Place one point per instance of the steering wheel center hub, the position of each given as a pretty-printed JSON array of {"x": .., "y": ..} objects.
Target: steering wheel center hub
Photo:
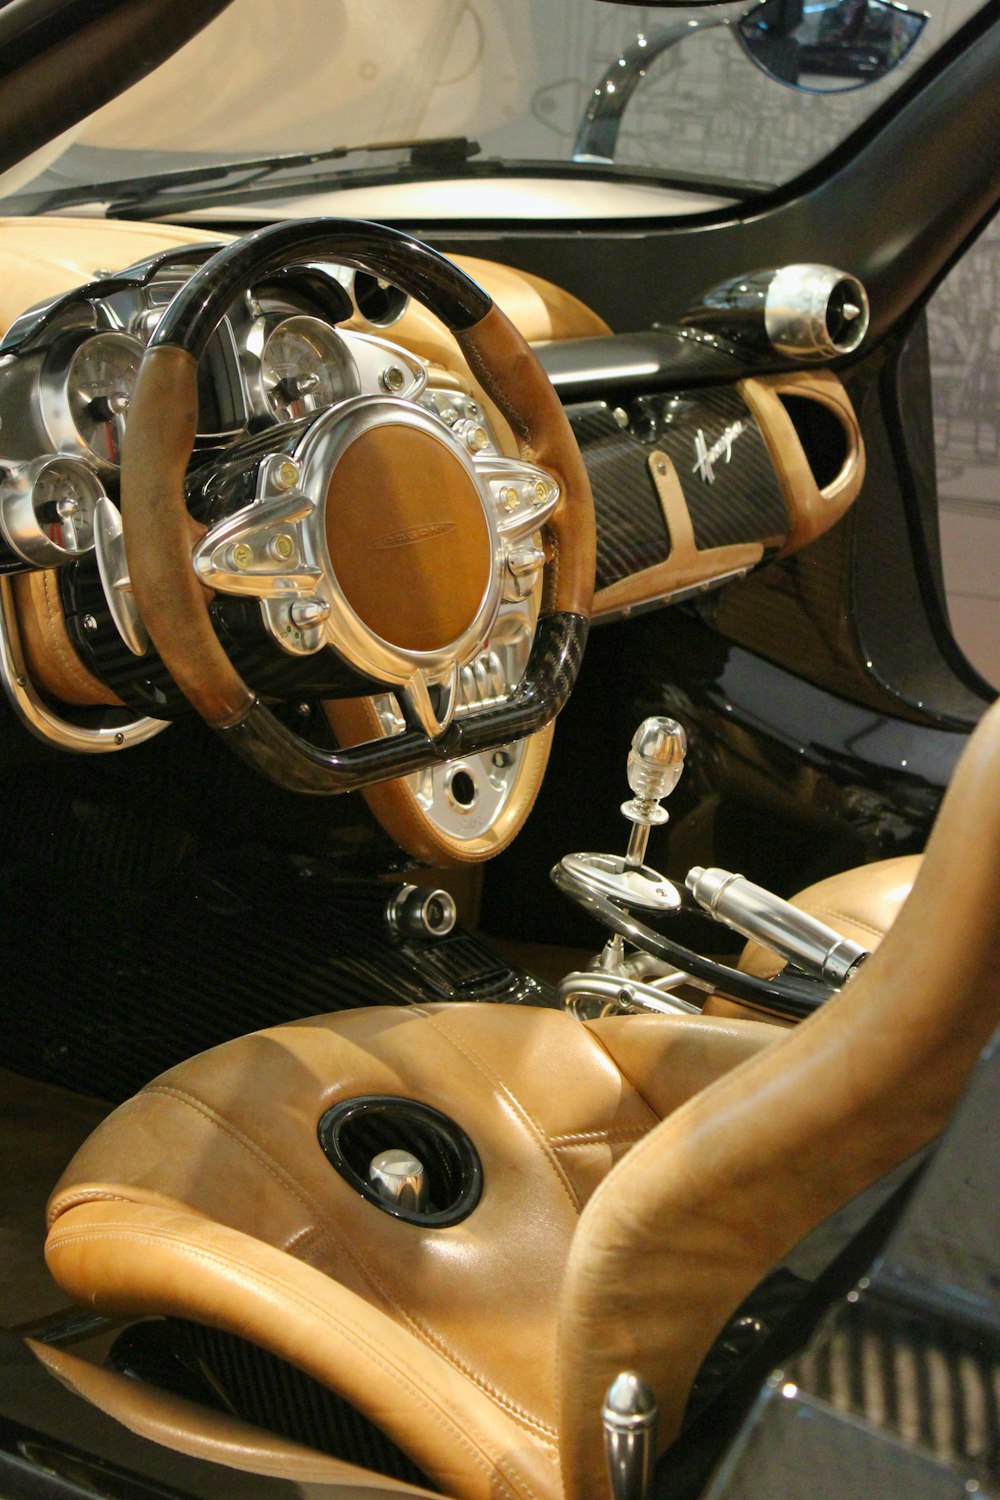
[{"x": 408, "y": 537}]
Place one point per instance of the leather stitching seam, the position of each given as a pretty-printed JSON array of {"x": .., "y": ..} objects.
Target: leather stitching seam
[
  {"x": 324, "y": 1227},
  {"x": 73, "y": 668},
  {"x": 481, "y": 1066},
  {"x": 613, "y": 1133},
  {"x": 398, "y": 1371}
]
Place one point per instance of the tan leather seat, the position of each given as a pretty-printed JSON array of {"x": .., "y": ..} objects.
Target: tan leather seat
[{"x": 640, "y": 1176}]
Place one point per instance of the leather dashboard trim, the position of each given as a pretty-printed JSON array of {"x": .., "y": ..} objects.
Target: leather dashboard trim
[{"x": 811, "y": 510}]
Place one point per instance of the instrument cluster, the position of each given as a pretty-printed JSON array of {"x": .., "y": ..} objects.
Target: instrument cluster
[{"x": 68, "y": 373}]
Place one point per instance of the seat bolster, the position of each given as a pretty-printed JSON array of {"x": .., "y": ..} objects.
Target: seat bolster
[
  {"x": 669, "y": 1059},
  {"x": 137, "y": 1259},
  {"x": 186, "y": 1427}
]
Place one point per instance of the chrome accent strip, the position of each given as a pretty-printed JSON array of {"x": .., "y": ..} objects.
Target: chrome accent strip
[{"x": 39, "y": 719}]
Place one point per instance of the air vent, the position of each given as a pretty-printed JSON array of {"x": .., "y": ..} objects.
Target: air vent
[
  {"x": 379, "y": 302},
  {"x": 822, "y": 435}
]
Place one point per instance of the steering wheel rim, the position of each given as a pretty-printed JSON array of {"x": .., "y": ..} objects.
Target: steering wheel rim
[{"x": 160, "y": 535}]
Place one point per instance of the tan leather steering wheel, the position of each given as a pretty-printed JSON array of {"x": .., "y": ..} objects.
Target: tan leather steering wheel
[{"x": 390, "y": 615}]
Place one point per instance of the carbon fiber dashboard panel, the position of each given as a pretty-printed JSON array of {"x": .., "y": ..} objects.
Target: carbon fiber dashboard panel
[
  {"x": 631, "y": 531},
  {"x": 725, "y": 470}
]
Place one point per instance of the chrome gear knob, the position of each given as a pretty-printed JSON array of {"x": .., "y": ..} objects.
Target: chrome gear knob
[{"x": 656, "y": 759}]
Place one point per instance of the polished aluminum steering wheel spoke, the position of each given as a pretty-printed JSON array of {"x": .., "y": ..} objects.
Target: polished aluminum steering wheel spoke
[
  {"x": 430, "y": 713},
  {"x": 524, "y": 494},
  {"x": 264, "y": 550}
]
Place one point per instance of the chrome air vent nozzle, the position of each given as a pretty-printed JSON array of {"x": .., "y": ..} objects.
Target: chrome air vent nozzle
[
  {"x": 806, "y": 313},
  {"x": 815, "y": 312}
]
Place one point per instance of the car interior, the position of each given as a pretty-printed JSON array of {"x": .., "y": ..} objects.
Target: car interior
[{"x": 502, "y": 861}]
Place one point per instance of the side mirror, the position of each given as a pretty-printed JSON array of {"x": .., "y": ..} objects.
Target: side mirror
[{"x": 831, "y": 46}]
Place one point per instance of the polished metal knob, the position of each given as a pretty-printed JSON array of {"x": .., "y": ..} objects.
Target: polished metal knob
[
  {"x": 655, "y": 763},
  {"x": 629, "y": 1417},
  {"x": 656, "y": 758},
  {"x": 414, "y": 911},
  {"x": 399, "y": 1179}
]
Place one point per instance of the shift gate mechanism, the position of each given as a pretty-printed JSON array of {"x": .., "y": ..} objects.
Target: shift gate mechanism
[
  {"x": 655, "y": 763},
  {"x": 820, "y": 959}
]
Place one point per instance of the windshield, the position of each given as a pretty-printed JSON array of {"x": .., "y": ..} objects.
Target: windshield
[{"x": 512, "y": 80}]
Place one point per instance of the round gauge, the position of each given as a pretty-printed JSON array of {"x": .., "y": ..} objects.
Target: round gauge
[
  {"x": 63, "y": 499},
  {"x": 47, "y": 509},
  {"x": 305, "y": 366},
  {"x": 100, "y": 381}
]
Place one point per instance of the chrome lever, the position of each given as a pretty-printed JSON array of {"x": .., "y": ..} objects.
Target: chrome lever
[
  {"x": 629, "y": 1416},
  {"x": 766, "y": 918}
]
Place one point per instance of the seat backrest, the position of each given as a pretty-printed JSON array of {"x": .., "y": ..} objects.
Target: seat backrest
[{"x": 710, "y": 1200}]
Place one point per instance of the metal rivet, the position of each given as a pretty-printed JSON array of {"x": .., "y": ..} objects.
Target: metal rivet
[
  {"x": 478, "y": 439},
  {"x": 661, "y": 467},
  {"x": 541, "y": 491},
  {"x": 286, "y": 474},
  {"x": 392, "y": 379},
  {"x": 89, "y": 623},
  {"x": 119, "y": 738},
  {"x": 283, "y": 547},
  {"x": 510, "y": 498},
  {"x": 304, "y": 710},
  {"x": 242, "y": 555}
]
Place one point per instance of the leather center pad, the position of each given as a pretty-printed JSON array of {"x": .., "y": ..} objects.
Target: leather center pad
[{"x": 408, "y": 537}]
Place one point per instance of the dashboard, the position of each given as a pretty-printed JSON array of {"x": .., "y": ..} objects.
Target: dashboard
[{"x": 700, "y": 472}]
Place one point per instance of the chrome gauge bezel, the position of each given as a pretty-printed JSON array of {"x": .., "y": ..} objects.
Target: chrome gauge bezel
[
  {"x": 259, "y": 340},
  {"x": 19, "y": 501},
  {"x": 58, "y": 390}
]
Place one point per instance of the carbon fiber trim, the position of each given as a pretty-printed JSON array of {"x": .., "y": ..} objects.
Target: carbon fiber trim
[
  {"x": 136, "y": 983},
  {"x": 722, "y": 462},
  {"x": 631, "y": 531},
  {"x": 228, "y": 1374},
  {"x": 926, "y": 1385}
]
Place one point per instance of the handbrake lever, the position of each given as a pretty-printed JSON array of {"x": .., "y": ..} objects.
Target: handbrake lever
[{"x": 760, "y": 915}]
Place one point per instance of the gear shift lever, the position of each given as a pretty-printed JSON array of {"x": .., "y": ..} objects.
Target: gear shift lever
[{"x": 655, "y": 763}]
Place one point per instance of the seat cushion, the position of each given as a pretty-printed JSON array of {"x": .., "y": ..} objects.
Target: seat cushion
[{"x": 209, "y": 1196}]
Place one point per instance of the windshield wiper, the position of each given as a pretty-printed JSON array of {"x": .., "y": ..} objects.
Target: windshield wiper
[{"x": 161, "y": 192}]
